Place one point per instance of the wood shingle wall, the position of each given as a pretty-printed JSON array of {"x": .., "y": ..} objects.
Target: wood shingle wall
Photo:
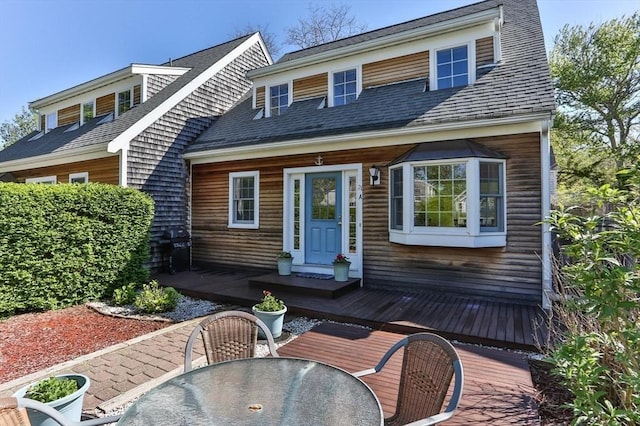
[
  {"x": 155, "y": 163},
  {"x": 513, "y": 271},
  {"x": 103, "y": 170}
]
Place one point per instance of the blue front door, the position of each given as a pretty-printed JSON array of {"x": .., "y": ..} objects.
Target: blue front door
[{"x": 323, "y": 218}]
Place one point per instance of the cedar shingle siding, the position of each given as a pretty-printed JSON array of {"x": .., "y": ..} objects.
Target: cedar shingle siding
[{"x": 155, "y": 163}]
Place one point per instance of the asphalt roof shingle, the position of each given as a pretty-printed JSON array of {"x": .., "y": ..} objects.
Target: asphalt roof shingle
[{"x": 519, "y": 85}]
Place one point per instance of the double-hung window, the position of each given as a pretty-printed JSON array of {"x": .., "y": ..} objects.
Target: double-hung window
[
  {"x": 243, "y": 199},
  {"x": 345, "y": 87},
  {"x": 279, "y": 99},
  {"x": 452, "y": 67},
  {"x": 454, "y": 202},
  {"x": 124, "y": 101},
  {"x": 87, "y": 111}
]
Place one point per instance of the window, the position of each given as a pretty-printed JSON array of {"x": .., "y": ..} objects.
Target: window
[
  {"x": 52, "y": 121},
  {"x": 243, "y": 199},
  {"x": 456, "y": 202},
  {"x": 279, "y": 98},
  {"x": 124, "y": 101},
  {"x": 82, "y": 177},
  {"x": 43, "y": 179},
  {"x": 345, "y": 87},
  {"x": 452, "y": 67},
  {"x": 87, "y": 111}
]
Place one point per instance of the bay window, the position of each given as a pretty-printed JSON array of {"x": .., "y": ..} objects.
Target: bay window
[{"x": 453, "y": 202}]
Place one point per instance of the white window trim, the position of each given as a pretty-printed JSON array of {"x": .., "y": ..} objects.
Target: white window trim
[
  {"x": 256, "y": 194},
  {"x": 358, "y": 69},
  {"x": 42, "y": 179},
  {"x": 81, "y": 175},
  {"x": 471, "y": 63},
  {"x": 54, "y": 116},
  {"x": 267, "y": 96},
  {"x": 82, "y": 104},
  {"x": 117, "y": 95},
  {"x": 469, "y": 236}
]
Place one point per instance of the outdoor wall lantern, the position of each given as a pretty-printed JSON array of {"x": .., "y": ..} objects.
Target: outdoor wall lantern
[{"x": 374, "y": 173}]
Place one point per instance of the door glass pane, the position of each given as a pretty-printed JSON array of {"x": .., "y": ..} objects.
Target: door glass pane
[
  {"x": 352, "y": 214},
  {"x": 324, "y": 199},
  {"x": 296, "y": 214}
]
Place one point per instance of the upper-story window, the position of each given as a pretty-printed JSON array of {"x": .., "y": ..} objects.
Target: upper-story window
[
  {"x": 87, "y": 111},
  {"x": 124, "y": 101},
  {"x": 279, "y": 99},
  {"x": 452, "y": 67},
  {"x": 345, "y": 87},
  {"x": 52, "y": 120}
]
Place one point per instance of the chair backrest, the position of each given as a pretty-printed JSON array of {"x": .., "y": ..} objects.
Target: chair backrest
[
  {"x": 13, "y": 412},
  {"x": 228, "y": 335},
  {"x": 428, "y": 366}
]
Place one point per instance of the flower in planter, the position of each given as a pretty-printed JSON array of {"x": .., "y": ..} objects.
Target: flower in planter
[
  {"x": 269, "y": 303},
  {"x": 341, "y": 258},
  {"x": 285, "y": 255}
]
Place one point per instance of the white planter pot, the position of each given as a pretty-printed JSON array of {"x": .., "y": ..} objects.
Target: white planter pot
[
  {"x": 341, "y": 271},
  {"x": 70, "y": 406},
  {"x": 284, "y": 265},
  {"x": 273, "y": 320}
]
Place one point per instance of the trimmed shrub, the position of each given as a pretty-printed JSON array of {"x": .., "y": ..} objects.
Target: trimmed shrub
[
  {"x": 61, "y": 245},
  {"x": 124, "y": 295}
]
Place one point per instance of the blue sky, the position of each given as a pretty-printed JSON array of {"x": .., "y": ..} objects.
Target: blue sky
[{"x": 51, "y": 45}]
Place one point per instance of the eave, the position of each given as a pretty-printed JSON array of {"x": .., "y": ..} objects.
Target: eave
[{"x": 56, "y": 158}]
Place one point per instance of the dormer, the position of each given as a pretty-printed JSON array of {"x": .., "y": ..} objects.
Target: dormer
[
  {"x": 112, "y": 94},
  {"x": 446, "y": 53}
]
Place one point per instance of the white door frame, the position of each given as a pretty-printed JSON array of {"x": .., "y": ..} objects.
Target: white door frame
[{"x": 290, "y": 176}]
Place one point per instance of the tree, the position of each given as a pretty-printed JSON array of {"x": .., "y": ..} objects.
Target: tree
[
  {"x": 269, "y": 38},
  {"x": 324, "y": 24},
  {"x": 22, "y": 124},
  {"x": 596, "y": 73}
]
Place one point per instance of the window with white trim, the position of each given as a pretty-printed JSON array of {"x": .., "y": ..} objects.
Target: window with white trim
[
  {"x": 244, "y": 200},
  {"x": 52, "y": 121},
  {"x": 124, "y": 101},
  {"x": 452, "y": 67},
  {"x": 42, "y": 179},
  {"x": 88, "y": 111},
  {"x": 345, "y": 87},
  {"x": 456, "y": 202},
  {"x": 279, "y": 99},
  {"x": 82, "y": 177}
]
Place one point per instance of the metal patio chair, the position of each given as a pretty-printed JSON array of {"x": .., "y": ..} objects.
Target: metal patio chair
[
  {"x": 228, "y": 335},
  {"x": 13, "y": 412},
  {"x": 428, "y": 367}
]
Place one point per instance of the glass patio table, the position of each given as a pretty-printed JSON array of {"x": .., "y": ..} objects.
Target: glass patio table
[{"x": 259, "y": 391}]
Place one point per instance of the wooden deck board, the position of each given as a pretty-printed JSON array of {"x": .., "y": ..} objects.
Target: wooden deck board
[
  {"x": 497, "y": 388},
  {"x": 461, "y": 318}
]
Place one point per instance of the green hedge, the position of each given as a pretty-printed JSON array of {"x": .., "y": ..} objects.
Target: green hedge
[{"x": 61, "y": 245}]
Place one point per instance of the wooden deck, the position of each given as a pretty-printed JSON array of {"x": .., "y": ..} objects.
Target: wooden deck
[
  {"x": 462, "y": 318},
  {"x": 497, "y": 387}
]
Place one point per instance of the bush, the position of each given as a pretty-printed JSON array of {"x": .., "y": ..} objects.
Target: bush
[
  {"x": 154, "y": 299},
  {"x": 124, "y": 295},
  {"x": 597, "y": 341},
  {"x": 61, "y": 245}
]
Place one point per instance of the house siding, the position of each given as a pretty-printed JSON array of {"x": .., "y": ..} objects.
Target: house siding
[
  {"x": 103, "y": 170},
  {"x": 260, "y": 97},
  {"x": 512, "y": 272},
  {"x": 484, "y": 51},
  {"x": 396, "y": 69},
  {"x": 155, "y": 163},
  {"x": 105, "y": 104},
  {"x": 309, "y": 87},
  {"x": 69, "y": 115},
  {"x": 156, "y": 83}
]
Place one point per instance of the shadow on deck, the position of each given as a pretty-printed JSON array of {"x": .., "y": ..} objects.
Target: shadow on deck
[{"x": 456, "y": 317}]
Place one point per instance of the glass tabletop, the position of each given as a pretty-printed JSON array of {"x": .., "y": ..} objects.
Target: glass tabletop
[{"x": 259, "y": 391}]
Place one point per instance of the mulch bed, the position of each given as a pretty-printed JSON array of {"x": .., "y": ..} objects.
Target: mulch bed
[
  {"x": 551, "y": 395},
  {"x": 35, "y": 341}
]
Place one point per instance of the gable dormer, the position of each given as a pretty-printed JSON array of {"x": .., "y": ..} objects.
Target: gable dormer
[
  {"x": 446, "y": 53},
  {"x": 114, "y": 93}
]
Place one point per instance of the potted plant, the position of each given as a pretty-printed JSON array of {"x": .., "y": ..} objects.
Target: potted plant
[
  {"x": 64, "y": 392},
  {"x": 285, "y": 261},
  {"x": 271, "y": 311},
  {"x": 341, "y": 266}
]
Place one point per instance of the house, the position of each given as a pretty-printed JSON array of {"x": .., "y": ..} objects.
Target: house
[
  {"x": 420, "y": 151},
  {"x": 130, "y": 127}
]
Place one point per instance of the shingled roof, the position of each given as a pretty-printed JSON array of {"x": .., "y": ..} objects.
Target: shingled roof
[
  {"x": 93, "y": 133},
  {"x": 520, "y": 85}
]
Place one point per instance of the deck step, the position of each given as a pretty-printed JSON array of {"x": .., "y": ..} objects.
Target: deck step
[{"x": 293, "y": 283}]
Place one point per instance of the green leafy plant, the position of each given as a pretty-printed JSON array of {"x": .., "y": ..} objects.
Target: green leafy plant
[
  {"x": 124, "y": 295},
  {"x": 595, "y": 337},
  {"x": 269, "y": 303},
  {"x": 51, "y": 389},
  {"x": 341, "y": 258},
  {"x": 154, "y": 299},
  {"x": 285, "y": 255}
]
